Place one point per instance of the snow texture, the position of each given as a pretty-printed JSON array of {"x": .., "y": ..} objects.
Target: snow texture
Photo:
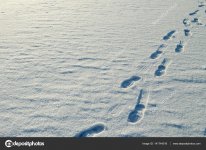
[{"x": 106, "y": 68}]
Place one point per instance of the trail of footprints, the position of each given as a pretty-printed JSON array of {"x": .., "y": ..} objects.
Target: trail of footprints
[{"x": 137, "y": 114}]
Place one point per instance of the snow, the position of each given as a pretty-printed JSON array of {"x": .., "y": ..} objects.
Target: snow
[{"x": 62, "y": 64}]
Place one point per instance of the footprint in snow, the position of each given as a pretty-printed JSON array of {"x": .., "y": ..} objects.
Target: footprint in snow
[
  {"x": 201, "y": 4},
  {"x": 194, "y": 13},
  {"x": 169, "y": 35},
  {"x": 137, "y": 114},
  {"x": 161, "y": 70},
  {"x": 128, "y": 82},
  {"x": 158, "y": 52},
  {"x": 95, "y": 129},
  {"x": 187, "y": 32},
  {"x": 186, "y": 22},
  {"x": 197, "y": 21},
  {"x": 180, "y": 47}
]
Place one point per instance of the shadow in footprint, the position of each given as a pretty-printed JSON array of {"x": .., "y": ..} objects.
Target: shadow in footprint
[
  {"x": 187, "y": 32},
  {"x": 186, "y": 22},
  {"x": 158, "y": 52},
  {"x": 130, "y": 81},
  {"x": 162, "y": 67},
  {"x": 169, "y": 35},
  {"x": 138, "y": 113},
  {"x": 193, "y": 13},
  {"x": 197, "y": 21},
  {"x": 201, "y": 4},
  {"x": 180, "y": 47},
  {"x": 96, "y": 129}
]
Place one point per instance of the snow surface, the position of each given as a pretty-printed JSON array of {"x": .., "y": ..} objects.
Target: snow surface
[{"x": 82, "y": 68}]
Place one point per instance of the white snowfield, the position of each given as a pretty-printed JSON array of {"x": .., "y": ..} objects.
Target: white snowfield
[{"x": 102, "y": 68}]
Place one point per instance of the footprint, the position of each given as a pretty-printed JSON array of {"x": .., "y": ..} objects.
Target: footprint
[
  {"x": 197, "y": 21},
  {"x": 162, "y": 67},
  {"x": 202, "y": 4},
  {"x": 187, "y": 32},
  {"x": 169, "y": 35},
  {"x": 158, "y": 52},
  {"x": 193, "y": 13},
  {"x": 137, "y": 114},
  {"x": 186, "y": 22},
  {"x": 180, "y": 47},
  {"x": 130, "y": 81},
  {"x": 95, "y": 129}
]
